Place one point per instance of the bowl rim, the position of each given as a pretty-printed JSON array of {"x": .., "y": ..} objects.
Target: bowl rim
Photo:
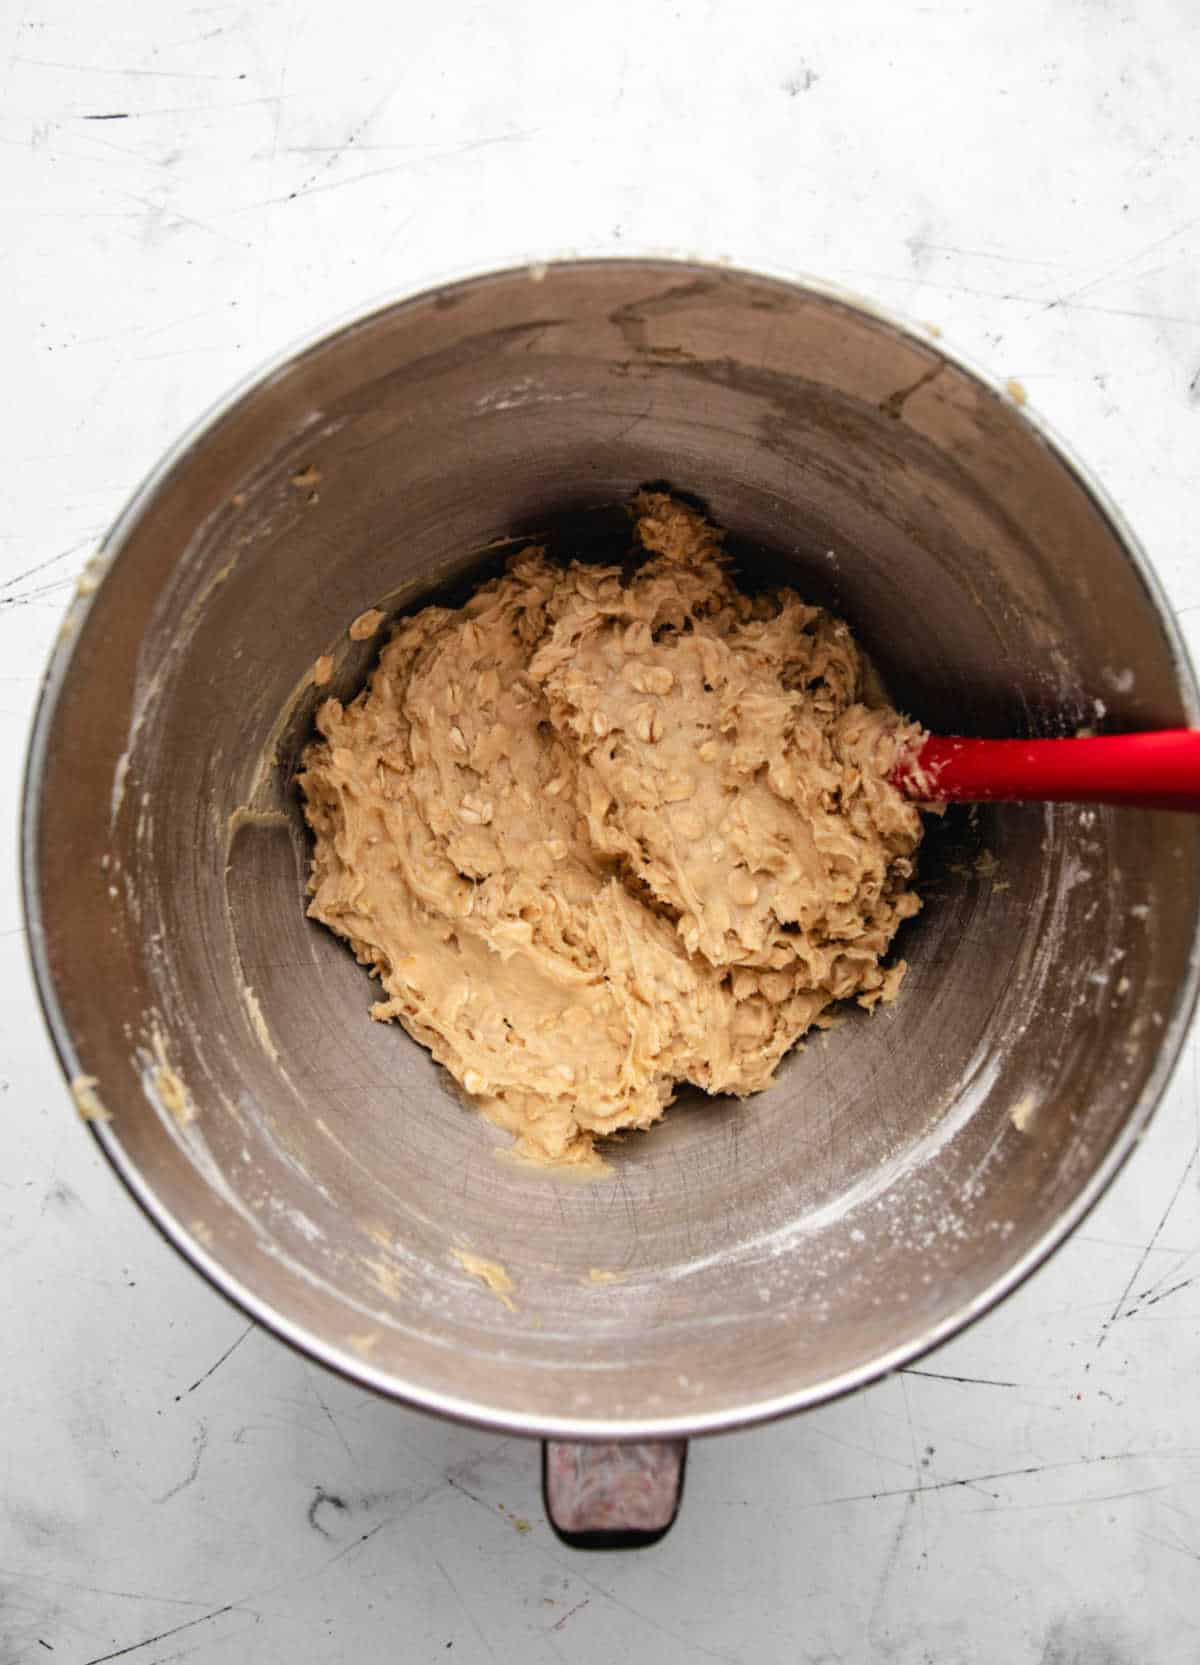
[{"x": 341, "y": 1359}]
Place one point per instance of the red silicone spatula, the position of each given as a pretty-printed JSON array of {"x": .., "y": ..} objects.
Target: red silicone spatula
[{"x": 1159, "y": 769}]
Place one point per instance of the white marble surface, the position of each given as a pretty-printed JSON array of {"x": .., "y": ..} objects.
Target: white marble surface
[{"x": 1026, "y": 176}]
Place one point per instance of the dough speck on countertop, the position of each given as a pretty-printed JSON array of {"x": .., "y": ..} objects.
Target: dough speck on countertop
[{"x": 601, "y": 831}]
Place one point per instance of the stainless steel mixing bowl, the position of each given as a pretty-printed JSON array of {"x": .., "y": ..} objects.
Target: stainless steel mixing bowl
[{"x": 905, "y": 1170}]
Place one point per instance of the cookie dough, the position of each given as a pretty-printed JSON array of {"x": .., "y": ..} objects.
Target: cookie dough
[{"x": 599, "y": 833}]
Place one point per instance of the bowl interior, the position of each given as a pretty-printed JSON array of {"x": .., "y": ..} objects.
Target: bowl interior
[{"x": 742, "y": 1258}]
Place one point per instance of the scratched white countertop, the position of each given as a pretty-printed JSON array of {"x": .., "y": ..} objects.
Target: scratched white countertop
[{"x": 186, "y": 188}]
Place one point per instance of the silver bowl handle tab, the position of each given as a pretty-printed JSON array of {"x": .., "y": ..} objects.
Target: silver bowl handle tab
[{"x": 612, "y": 1496}]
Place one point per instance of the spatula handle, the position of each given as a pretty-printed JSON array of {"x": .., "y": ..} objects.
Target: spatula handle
[{"x": 1159, "y": 769}]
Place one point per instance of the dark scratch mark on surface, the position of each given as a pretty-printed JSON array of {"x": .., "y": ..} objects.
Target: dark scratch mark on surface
[
  {"x": 1150, "y": 314},
  {"x": 363, "y": 1538},
  {"x": 1017, "y": 297},
  {"x": 570, "y": 1613},
  {"x": 1085, "y": 1638},
  {"x": 190, "y": 1624},
  {"x": 889, "y": 1568},
  {"x": 332, "y": 1420},
  {"x": 232, "y": 1348},
  {"x": 99, "y": 1589},
  {"x": 348, "y": 143},
  {"x": 356, "y": 1544},
  {"x": 320, "y": 1499},
  {"x": 199, "y": 1444},
  {"x": 916, "y": 1469},
  {"x": 694, "y": 1648},
  {"x": 1180, "y": 1548},
  {"x": 149, "y": 74},
  {"x": 162, "y": 218},
  {"x": 971, "y": 1381},
  {"x": 987, "y": 254},
  {"x": 1118, "y": 1310},
  {"x": 1184, "y": 1283},
  {"x": 1120, "y": 266},
  {"x": 1077, "y": 1502},
  {"x": 457, "y": 1486},
  {"x": 1152, "y": 1296},
  {"x": 29, "y": 572},
  {"x": 205, "y": 109},
  {"x": 446, "y": 1481},
  {"x": 466, "y": 1611},
  {"x": 865, "y": 1450},
  {"x": 428, "y": 160},
  {"x": 238, "y": 1606},
  {"x": 977, "y": 1480},
  {"x": 112, "y": 115},
  {"x": 141, "y": 333},
  {"x": 31, "y": 597}
]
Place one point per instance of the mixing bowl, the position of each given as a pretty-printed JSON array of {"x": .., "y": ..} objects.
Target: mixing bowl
[{"x": 741, "y": 1259}]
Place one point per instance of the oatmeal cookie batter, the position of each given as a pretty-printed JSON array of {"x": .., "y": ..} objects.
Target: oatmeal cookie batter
[{"x": 598, "y": 834}]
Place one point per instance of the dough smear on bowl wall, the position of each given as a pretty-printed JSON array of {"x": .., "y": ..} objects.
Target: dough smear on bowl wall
[{"x": 608, "y": 829}]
